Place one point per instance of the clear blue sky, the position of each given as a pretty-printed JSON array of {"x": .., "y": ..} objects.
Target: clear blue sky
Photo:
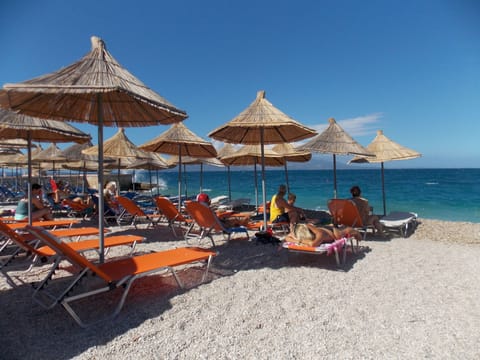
[{"x": 408, "y": 67}]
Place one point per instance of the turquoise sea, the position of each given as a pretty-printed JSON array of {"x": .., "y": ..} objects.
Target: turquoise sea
[{"x": 444, "y": 194}]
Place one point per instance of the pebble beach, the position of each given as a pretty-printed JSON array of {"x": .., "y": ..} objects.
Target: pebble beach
[{"x": 407, "y": 298}]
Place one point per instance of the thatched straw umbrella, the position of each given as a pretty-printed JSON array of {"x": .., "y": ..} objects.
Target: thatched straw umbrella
[
  {"x": 190, "y": 160},
  {"x": 119, "y": 147},
  {"x": 289, "y": 153},
  {"x": 153, "y": 162},
  {"x": 179, "y": 140},
  {"x": 262, "y": 123},
  {"x": 384, "y": 150},
  {"x": 51, "y": 153},
  {"x": 96, "y": 90},
  {"x": 334, "y": 140},
  {"x": 14, "y": 126},
  {"x": 225, "y": 150},
  {"x": 252, "y": 155}
]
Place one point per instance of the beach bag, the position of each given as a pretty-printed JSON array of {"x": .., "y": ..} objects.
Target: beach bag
[{"x": 264, "y": 237}]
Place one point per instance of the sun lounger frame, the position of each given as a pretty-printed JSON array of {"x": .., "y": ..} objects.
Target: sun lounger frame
[{"x": 121, "y": 273}]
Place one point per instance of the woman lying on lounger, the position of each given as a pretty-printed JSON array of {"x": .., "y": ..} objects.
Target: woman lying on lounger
[{"x": 310, "y": 235}]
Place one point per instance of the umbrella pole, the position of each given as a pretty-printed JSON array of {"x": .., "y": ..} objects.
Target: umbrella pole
[
  {"x": 229, "y": 185},
  {"x": 133, "y": 181},
  {"x": 334, "y": 176},
  {"x": 286, "y": 176},
  {"x": 150, "y": 178},
  {"x": 118, "y": 175},
  {"x": 101, "y": 200},
  {"x": 256, "y": 184},
  {"x": 185, "y": 177},
  {"x": 383, "y": 192},
  {"x": 29, "y": 177},
  {"x": 158, "y": 190},
  {"x": 201, "y": 177},
  {"x": 264, "y": 190},
  {"x": 179, "y": 178}
]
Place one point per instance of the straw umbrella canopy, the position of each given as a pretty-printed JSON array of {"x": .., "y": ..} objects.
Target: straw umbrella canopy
[
  {"x": 289, "y": 153},
  {"x": 80, "y": 162},
  {"x": 190, "y": 160},
  {"x": 334, "y": 140},
  {"x": 181, "y": 141},
  {"x": 225, "y": 150},
  {"x": 120, "y": 147},
  {"x": 384, "y": 150},
  {"x": 96, "y": 90},
  {"x": 262, "y": 123},
  {"x": 51, "y": 153},
  {"x": 252, "y": 155},
  {"x": 15, "y": 143},
  {"x": 14, "y": 126},
  {"x": 153, "y": 162}
]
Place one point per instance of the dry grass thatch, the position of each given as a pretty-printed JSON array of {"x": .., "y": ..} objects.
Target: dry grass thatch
[
  {"x": 261, "y": 116},
  {"x": 251, "y": 155},
  {"x": 384, "y": 150},
  {"x": 179, "y": 139},
  {"x": 78, "y": 91},
  {"x": 18, "y": 126}
]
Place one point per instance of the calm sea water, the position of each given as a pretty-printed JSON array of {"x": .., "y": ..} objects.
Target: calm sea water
[{"x": 444, "y": 194}]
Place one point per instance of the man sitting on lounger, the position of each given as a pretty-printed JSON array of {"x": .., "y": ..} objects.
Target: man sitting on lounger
[
  {"x": 283, "y": 211},
  {"x": 310, "y": 235},
  {"x": 364, "y": 210}
]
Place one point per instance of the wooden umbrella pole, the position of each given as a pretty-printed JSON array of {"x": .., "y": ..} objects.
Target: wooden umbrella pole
[
  {"x": 29, "y": 170},
  {"x": 334, "y": 176},
  {"x": 101, "y": 200},
  {"x": 383, "y": 192},
  {"x": 264, "y": 190}
]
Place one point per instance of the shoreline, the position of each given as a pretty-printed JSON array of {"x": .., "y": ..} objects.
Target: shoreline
[{"x": 409, "y": 298}]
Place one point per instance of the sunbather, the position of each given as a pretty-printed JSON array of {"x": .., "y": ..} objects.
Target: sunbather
[
  {"x": 310, "y": 235},
  {"x": 39, "y": 210},
  {"x": 364, "y": 209}
]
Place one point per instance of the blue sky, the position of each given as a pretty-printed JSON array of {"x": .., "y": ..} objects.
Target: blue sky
[{"x": 410, "y": 68}]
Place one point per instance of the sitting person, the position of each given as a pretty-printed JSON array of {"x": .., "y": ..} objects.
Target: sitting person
[
  {"x": 310, "y": 235},
  {"x": 291, "y": 201},
  {"x": 364, "y": 210},
  {"x": 227, "y": 221},
  {"x": 283, "y": 211},
  {"x": 60, "y": 192},
  {"x": 39, "y": 210},
  {"x": 109, "y": 194}
]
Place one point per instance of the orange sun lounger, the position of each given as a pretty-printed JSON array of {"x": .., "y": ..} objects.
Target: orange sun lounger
[
  {"x": 130, "y": 208},
  {"x": 345, "y": 213},
  {"x": 45, "y": 223},
  {"x": 27, "y": 243},
  {"x": 338, "y": 247},
  {"x": 208, "y": 223},
  {"x": 115, "y": 274},
  {"x": 167, "y": 209}
]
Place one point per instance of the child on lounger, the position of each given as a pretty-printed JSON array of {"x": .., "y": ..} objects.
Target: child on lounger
[{"x": 310, "y": 235}]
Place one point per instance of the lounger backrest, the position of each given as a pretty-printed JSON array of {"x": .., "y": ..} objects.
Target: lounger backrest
[
  {"x": 74, "y": 205},
  {"x": 15, "y": 237},
  {"x": 130, "y": 206},
  {"x": 345, "y": 212},
  {"x": 203, "y": 215},
  {"x": 66, "y": 251},
  {"x": 168, "y": 209}
]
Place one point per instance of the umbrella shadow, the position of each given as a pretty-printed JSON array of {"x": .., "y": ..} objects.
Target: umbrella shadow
[
  {"x": 30, "y": 331},
  {"x": 241, "y": 255}
]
